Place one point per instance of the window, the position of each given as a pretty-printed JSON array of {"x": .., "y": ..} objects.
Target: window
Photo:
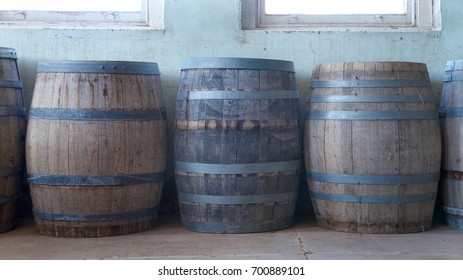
[
  {"x": 396, "y": 14},
  {"x": 82, "y": 13}
]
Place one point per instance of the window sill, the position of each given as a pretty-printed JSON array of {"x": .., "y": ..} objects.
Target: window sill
[
  {"x": 77, "y": 26},
  {"x": 338, "y": 28}
]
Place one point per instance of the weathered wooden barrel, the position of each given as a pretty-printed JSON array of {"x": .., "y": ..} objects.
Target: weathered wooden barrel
[
  {"x": 372, "y": 147},
  {"x": 96, "y": 147},
  {"x": 12, "y": 131},
  {"x": 237, "y": 144},
  {"x": 451, "y": 117}
]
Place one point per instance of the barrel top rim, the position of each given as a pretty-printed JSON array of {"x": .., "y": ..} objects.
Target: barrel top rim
[
  {"x": 238, "y": 63},
  {"x": 7, "y": 49},
  {"x": 98, "y": 66},
  {"x": 373, "y": 62},
  {"x": 6, "y": 52},
  {"x": 94, "y": 61},
  {"x": 454, "y": 65}
]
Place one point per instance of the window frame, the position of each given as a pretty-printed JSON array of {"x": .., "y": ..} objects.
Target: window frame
[
  {"x": 151, "y": 17},
  {"x": 422, "y": 15}
]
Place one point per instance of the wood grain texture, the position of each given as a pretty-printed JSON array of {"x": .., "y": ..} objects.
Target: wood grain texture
[
  {"x": 98, "y": 148},
  {"x": 12, "y": 131},
  {"x": 451, "y": 183},
  {"x": 237, "y": 131},
  {"x": 372, "y": 147}
]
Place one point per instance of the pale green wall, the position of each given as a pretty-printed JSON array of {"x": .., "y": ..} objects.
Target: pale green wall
[{"x": 212, "y": 28}]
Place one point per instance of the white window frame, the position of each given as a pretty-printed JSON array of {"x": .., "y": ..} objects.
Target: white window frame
[
  {"x": 151, "y": 17},
  {"x": 421, "y": 15}
]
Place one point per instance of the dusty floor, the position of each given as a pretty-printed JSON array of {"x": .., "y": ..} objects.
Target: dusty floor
[{"x": 168, "y": 240}]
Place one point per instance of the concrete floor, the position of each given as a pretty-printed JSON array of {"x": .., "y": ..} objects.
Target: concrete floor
[{"x": 169, "y": 241}]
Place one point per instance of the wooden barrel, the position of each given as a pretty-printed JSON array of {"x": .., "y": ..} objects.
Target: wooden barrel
[
  {"x": 372, "y": 147},
  {"x": 451, "y": 117},
  {"x": 12, "y": 131},
  {"x": 237, "y": 144},
  {"x": 96, "y": 147}
]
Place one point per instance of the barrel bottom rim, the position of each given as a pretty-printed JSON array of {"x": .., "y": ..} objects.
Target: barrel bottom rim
[
  {"x": 238, "y": 227},
  {"x": 454, "y": 221},
  {"x": 8, "y": 226},
  {"x": 374, "y": 228},
  {"x": 92, "y": 229}
]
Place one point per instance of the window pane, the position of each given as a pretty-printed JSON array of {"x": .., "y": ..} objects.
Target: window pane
[
  {"x": 335, "y": 7},
  {"x": 73, "y": 6}
]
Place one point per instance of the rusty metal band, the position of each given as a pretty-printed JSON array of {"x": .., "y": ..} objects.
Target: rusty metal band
[
  {"x": 238, "y": 63},
  {"x": 236, "y": 199},
  {"x": 238, "y": 95},
  {"x": 369, "y": 83},
  {"x": 99, "y": 67},
  {"x": 150, "y": 212},
  {"x": 373, "y": 179},
  {"x": 13, "y": 111},
  {"x": 370, "y": 98},
  {"x": 233, "y": 169},
  {"x": 372, "y": 115},
  {"x": 374, "y": 199},
  {"x": 97, "y": 115},
  {"x": 81, "y": 180},
  {"x": 11, "y": 84}
]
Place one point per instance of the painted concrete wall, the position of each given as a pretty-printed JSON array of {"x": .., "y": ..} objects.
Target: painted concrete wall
[{"x": 212, "y": 28}]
